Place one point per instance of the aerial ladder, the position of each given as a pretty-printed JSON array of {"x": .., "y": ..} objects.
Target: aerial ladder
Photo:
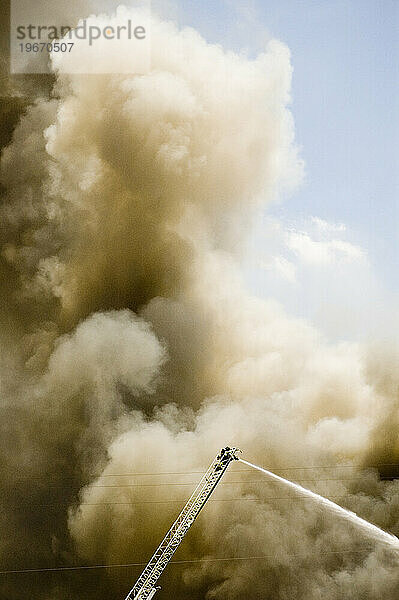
[{"x": 144, "y": 588}]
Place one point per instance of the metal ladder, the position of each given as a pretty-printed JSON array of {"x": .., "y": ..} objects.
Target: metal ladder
[{"x": 144, "y": 588}]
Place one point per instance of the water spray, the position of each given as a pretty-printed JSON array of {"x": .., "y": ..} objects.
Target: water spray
[{"x": 376, "y": 533}]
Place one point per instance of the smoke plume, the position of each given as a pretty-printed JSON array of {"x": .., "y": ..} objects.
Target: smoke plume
[{"x": 130, "y": 345}]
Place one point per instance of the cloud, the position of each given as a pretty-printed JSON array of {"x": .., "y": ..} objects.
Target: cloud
[
  {"x": 325, "y": 226},
  {"x": 317, "y": 252},
  {"x": 281, "y": 266}
]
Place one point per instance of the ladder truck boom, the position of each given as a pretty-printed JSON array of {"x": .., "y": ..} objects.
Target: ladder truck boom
[{"x": 144, "y": 588}]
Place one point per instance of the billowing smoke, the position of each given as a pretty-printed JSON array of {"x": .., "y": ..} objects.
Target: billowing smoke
[{"x": 130, "y": 345}]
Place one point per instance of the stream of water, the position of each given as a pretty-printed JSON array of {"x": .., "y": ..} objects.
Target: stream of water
[{"x": 375, "y": 532}]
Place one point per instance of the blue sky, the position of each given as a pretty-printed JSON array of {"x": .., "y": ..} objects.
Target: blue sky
[{"x": 344, "y": 103}]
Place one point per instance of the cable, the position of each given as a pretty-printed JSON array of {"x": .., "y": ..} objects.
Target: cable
[
  {"x": 183, "y": 500},
  {"x": 173, "y": 562},
  {"x": 245, "y": 470},
  {"x": 217, "y": 500},
  {"x": 276, "y": 469},
  {"x": 193, "y": 483},
  {"x": 221, "y": 483}
]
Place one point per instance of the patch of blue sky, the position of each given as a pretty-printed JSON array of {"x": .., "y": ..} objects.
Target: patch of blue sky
[{"x": 345, "y": 102}]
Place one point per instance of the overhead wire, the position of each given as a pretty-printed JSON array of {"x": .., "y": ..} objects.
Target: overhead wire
[
  {"x": 183, "y": 500},
  {"x": 209, "y": 501},
  {"x": 274, "y": 469},
  {"x": 362, "y": 467},
  {"x": 131, "y": 485},
  {"x": 175, "y": 562}
]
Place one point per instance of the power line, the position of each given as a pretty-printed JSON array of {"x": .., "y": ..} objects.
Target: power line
[
  {"x": 175, "y": 562},
  {"x": 131, "y": 485},
  {"x": 217, "y": 500},
  {"x": 183, "y": 500},
  {"x": 274, "y": 469},
  {"x": 246, "y": 470}
]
